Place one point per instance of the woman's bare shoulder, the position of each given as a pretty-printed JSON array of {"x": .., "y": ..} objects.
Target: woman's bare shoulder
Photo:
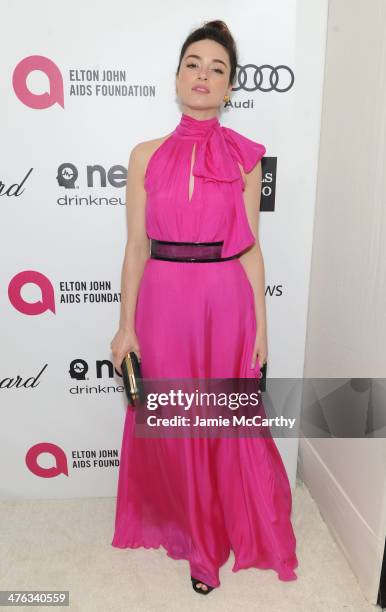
[{"x": 143, "y": 151}]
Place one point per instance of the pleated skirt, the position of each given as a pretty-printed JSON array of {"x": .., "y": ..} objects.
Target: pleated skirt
[{"x": 200, "y": 498}]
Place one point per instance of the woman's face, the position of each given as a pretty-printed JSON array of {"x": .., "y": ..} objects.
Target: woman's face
[{"x": 203, "y": 78}]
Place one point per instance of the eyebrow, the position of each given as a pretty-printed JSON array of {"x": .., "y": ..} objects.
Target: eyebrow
[{"x": 198, "y": 57}]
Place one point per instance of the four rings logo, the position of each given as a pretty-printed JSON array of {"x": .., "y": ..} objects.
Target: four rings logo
[{"x": 264, "y": 78}]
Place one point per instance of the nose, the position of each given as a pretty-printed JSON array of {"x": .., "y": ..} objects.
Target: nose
[{"x": 203, "y": 74}]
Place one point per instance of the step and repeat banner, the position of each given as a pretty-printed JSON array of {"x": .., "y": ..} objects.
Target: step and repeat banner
[{"x": 80, "y": 86}]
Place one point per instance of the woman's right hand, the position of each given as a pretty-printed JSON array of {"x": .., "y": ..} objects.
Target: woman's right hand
[{"x": 123, "y": 342}]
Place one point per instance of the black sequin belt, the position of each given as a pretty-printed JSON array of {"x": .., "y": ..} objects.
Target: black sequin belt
[{"x": 187, "y": 251}]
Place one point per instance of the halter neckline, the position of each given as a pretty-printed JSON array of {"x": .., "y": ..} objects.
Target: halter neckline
[{"x": 191, "y": 127}]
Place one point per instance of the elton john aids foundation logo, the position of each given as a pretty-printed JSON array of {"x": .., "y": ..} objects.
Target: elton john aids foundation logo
[
  {"x": 45, "y": 302},
  {"x": 59, "y": 459},
  {"x": 44, "y": 100}
]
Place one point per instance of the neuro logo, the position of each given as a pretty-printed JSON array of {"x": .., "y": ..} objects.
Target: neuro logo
[
  {"x": 78, "y": 369},
  {"x": 47, "y": 301},
  {"x": 95, "y": 175},
  {"x": 67, "y": 175},
  {"x": 44, "y": 100},
  {"x": 60, "y": 460}
]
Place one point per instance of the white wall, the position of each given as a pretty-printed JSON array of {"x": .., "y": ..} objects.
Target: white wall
[{"x": 346, "y": 327}]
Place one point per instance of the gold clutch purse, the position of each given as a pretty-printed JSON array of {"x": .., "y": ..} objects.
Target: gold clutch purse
[{"x": 132, "y": 378}]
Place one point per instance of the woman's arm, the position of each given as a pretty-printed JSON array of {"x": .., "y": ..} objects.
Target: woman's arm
[
  {"x": 137, "y": 251},
  {"x": 253, "y": 263}
]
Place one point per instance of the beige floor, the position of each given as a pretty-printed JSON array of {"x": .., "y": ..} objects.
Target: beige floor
[{"x": 66, "y": 545}]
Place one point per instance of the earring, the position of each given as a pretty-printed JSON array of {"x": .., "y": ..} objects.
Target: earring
[{"x": 226, "y": 99}]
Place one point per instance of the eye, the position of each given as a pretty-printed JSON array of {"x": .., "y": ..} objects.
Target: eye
[{"x": 195, "y": 65}]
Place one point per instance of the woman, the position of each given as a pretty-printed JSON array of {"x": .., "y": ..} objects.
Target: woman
[{"x": 199, "y": 498}]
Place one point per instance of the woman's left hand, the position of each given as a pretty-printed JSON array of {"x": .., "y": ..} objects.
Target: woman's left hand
[{"x": 260, "y": 350}]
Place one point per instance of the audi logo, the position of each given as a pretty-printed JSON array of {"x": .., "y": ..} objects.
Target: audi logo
[{"x": 251, "y": 77}]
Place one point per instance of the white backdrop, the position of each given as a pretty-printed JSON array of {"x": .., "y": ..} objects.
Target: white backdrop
[{"x": 63, "y": 227}]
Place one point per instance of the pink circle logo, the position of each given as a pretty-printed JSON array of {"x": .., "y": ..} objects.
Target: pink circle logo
[
  {"x": 16, "y": 284},
  {"x": 60, "y": 466},
  {"x": 29, "y": 98}
]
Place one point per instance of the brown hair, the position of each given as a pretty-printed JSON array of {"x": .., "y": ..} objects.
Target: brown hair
[{"x": 219, "y": 32}]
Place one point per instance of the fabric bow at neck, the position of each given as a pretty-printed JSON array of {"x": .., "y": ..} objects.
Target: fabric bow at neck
[{"x": 215, "y": 151}]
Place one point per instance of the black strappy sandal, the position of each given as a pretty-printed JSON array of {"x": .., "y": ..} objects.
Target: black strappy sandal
[{"x": 198, "y": 589}]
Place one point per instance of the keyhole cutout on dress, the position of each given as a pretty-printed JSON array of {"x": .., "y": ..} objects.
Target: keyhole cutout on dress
[{"x": 191, "y": 175}]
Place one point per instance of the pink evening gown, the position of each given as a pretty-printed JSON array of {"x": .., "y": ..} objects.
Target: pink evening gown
[{"x": 201, "y": 497}]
